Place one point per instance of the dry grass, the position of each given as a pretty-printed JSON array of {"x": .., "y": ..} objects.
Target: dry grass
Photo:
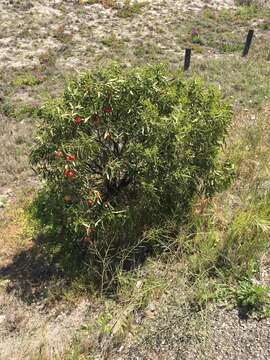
[
  {"x": 14, "y": 229},
  {"x": 15, "y": 140},
  {"x": 37, "y": 331},
  {"x": 30, "y": 327},
  {"x": 27, "y": 332}
]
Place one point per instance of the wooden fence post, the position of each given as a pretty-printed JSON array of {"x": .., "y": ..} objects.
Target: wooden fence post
[
  {"x": 187, "y": 59},
  {"x": 248, "y": 42}
]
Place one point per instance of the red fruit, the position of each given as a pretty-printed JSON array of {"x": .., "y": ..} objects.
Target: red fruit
[
  {"x": 58, "y": 154},
  {"x": 77, "y": 120},
  {"x": 69, "y": 174},
  {"x": 107, "y": 110},
  {"x": 71, "y": 158}
]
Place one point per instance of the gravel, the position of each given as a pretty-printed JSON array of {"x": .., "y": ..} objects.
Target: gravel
[{"x": 213, "y": 334}]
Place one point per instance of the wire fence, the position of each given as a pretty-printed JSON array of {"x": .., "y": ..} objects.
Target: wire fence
[{"x": 250, "y": 35}]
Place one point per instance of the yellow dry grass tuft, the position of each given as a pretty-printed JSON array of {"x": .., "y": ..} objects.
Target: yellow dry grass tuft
[{"x": 15, "y": 232}]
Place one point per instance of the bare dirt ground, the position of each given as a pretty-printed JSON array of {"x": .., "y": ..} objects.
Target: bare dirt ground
[
  {"x": 27, "y": 332},
  {"x": 41, "y": 43}
]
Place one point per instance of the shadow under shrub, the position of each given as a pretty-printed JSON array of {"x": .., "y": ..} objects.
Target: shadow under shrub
[{"x": 123, "y": 153}]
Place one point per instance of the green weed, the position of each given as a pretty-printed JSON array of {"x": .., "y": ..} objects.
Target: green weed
[
  {"x": 130, "y": 9},
  {"x": 26, "y": 79}
]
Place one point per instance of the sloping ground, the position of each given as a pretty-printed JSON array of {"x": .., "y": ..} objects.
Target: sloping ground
[
  {"x": 77, "y": 33},
  {"x": 27, "y": 332},
  {"x": 27, "y": 325},
  {"x": 41, "y": 42}
]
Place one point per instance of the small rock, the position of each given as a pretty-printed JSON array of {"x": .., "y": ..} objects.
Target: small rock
[
  {"x": 152, "y": 307},
  {"x": 150, "y": 314},
  {"x": 2, "y": 205},
  {"x": 4, "y": 283},
  {"x": 121, "y": 348},
  {"x": 2, "y": 319},
  {"x": 8, "y": 192},
  {"x": 139, "y": 284},
  {"x": 265, "y": 185}
]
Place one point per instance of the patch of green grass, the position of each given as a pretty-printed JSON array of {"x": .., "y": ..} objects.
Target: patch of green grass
[
  {"x": 226, "y": 257},
  {"x": 147, "y": 50},
  {"x": 227, "y": 239},
  {"x": 113, "y": 42},
  {"x": 220, "y": 31},
  {"x": 246, "y": 13},
  {"x": 234, "y": 248},
  {"x": 19, "y": 112},
  {"x": 249, "y": 12},
  {"x": 264, "y": 26},
  {"x": 106, "y": 3},
  {"x": 241, "y": 80},
  {"x": 8, "y": 109},
  {"x": 246, "y": 240},
  {"x": 26, "y": 79},
  {"x": 15, "y": 227},
  {"x": 27, "y": 110},
  {"x": 104, "y": 321},
  {"x": 130, "y": 9}
]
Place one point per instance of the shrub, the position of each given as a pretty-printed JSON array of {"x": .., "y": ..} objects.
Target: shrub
[{"x": 123, "y": 153}]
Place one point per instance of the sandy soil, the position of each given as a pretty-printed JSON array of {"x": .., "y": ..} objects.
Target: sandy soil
[{"x": 29, "y": 29}]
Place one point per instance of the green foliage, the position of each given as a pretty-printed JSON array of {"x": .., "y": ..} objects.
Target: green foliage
[
  {"x": 130, "y": 9},
  {"x": 8, "y": 109},
  {"x": 252, "y": 296},
  {"x": 124, "y": 152},
  {"x": 246, "y": 239},
  {"x": 247, "y": 294},
  {"x": 104, "y": 322},
  {"x": 26, "y": 79},
  {"x": 223, "y": 256},
  {"x": 248, "y": 10}
]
